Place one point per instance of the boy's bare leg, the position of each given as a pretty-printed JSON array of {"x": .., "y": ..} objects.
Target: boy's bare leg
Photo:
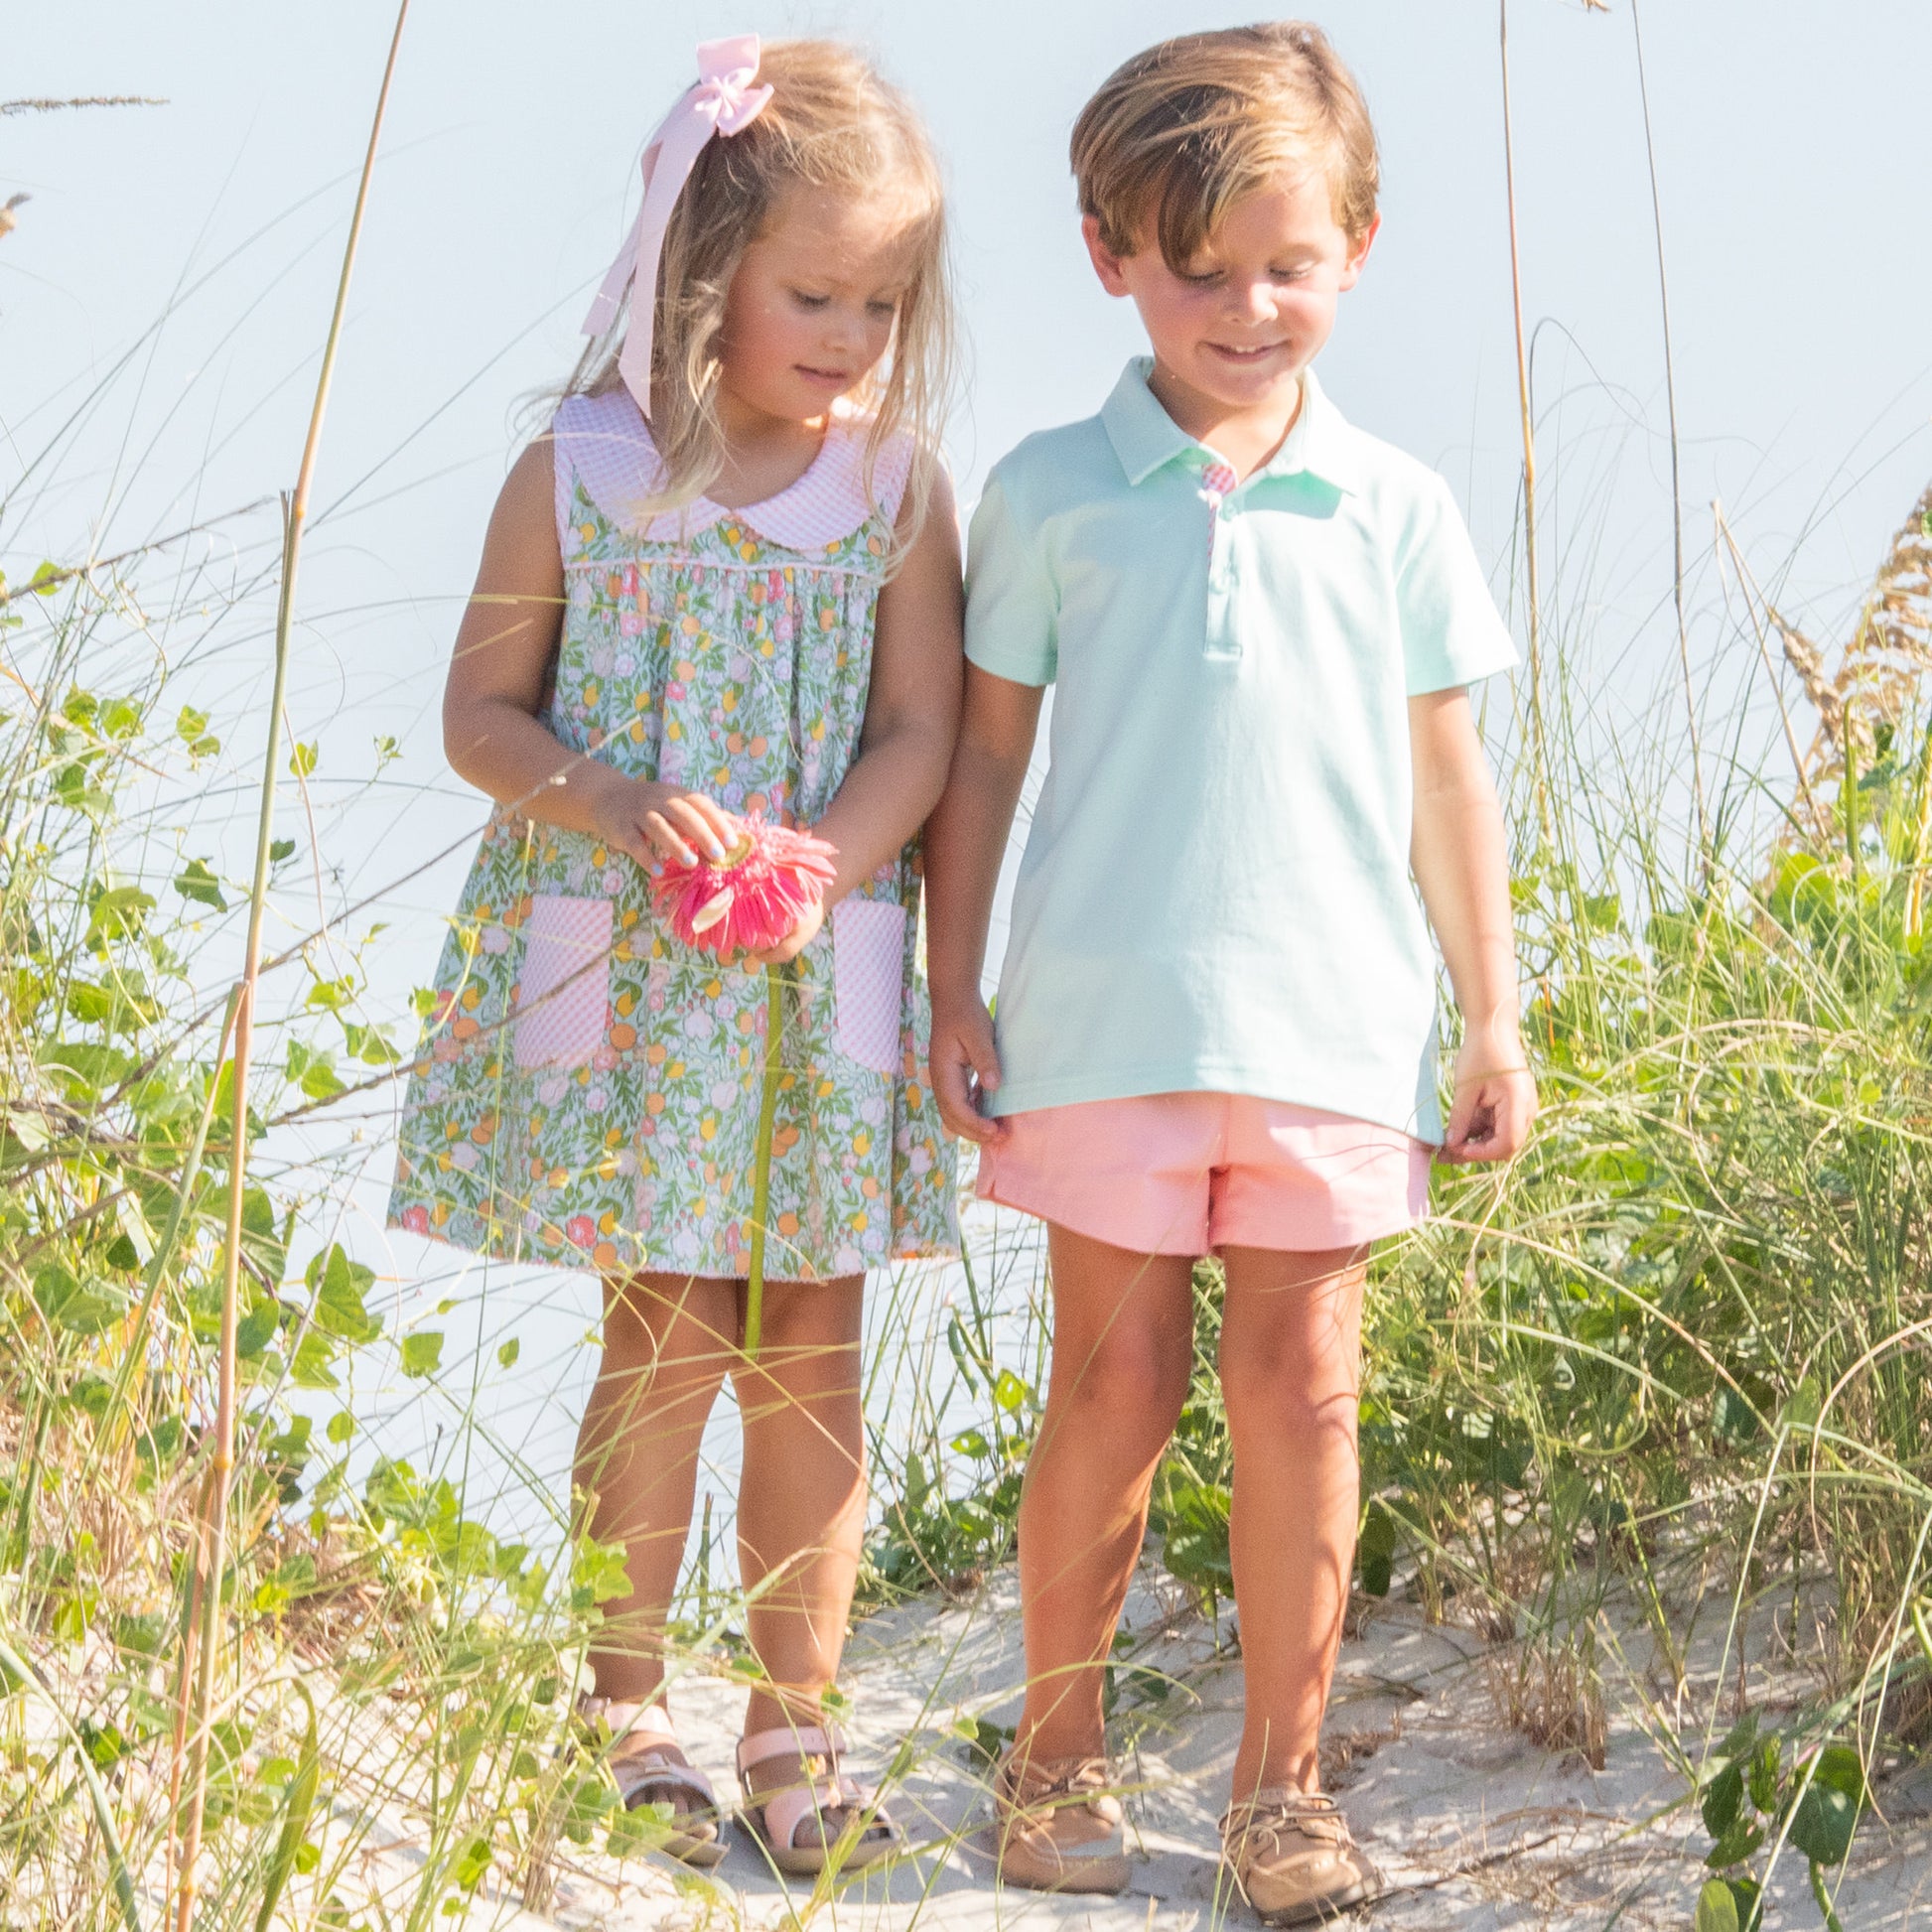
[
  {"x": 802, "y": 1499},
  {"x": 667, "y": 1340},
  {"x": 1290, "y": 1361},
  {"x": 1123, "y": 1345}
]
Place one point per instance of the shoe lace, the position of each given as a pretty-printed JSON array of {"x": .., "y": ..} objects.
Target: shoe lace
[
  {"x": 1039, "y": 1782},
  {"x": 1262, "y": 1823}
]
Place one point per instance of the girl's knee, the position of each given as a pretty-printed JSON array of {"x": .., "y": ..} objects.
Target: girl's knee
[
  {"x": 1254, "y": 1366},
  {"x": 657, "y": 1368},
  {"x": 822, "y": 1315},
  {"x": 808, "y": 1360},
  {"x": 658, "y": 1318},
  {"x": 1289, "y": 1375}
]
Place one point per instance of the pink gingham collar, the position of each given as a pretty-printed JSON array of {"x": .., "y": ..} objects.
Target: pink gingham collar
[{"x": 606, "y": 443}]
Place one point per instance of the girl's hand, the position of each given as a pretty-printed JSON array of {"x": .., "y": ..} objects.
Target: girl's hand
[
  {"x": 651, "y": 821},
  {"x": 796, "y": 940},
  {"x": 1496, "y": 1101},
  {"x": 963, "y": 1055}
]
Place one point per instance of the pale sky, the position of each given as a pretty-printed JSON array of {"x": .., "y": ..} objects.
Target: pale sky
[
  {"x": 1790, "y": 145},
  {"x": 1791, "y": 157}
]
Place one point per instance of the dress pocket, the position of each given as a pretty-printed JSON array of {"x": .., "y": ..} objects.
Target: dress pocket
[
  {"x": 869, "y": 980},
  {"x": 565, "y": 989}
]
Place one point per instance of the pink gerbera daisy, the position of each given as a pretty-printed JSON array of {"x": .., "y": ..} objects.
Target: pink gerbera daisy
[{"x": 748, "y": 900}]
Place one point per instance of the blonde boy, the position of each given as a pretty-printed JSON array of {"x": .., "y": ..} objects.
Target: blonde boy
[{"x": 1216, "y": 1007}]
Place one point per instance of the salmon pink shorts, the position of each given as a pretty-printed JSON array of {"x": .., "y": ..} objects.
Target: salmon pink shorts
[{"x": 1187, "y": 1173}]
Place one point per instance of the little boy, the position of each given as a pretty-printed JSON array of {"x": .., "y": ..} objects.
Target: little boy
[{"x": 1216, "y": 1010}]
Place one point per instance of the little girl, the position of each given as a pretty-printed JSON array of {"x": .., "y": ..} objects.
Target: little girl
[
  {"x": 727, "y": 581},
  {"x": 1215, "y": 1022}
]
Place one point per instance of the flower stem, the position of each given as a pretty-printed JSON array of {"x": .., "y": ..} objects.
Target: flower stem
[{"x": 775, "y": 1019}]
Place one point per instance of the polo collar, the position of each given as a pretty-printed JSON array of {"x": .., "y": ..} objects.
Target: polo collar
[{"x": 1146, "y": 438}]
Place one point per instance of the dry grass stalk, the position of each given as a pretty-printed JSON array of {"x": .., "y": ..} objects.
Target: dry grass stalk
[
  {"x": 1554, "y": 1697},
  {"x": 1526, "y": 410},
  {"x": 536, "y": 1884},
  {"x": 44, "y": 105},
  {"x": 1345, "y": 1752},
  {"x": 204, "y": 1625},
  {"x": 1676, "y": 449},
  {"x": 1883, "y": 666}
]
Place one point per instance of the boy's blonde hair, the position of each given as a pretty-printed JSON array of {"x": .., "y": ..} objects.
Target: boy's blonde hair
[
  {"x": 832, "y": 122},
  {"x": 1181, "y": 132}
]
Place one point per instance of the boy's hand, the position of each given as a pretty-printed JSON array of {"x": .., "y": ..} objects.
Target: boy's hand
[
  {"x": 1496, "y": 1101},
  {"x": 963, "y": 1056}
]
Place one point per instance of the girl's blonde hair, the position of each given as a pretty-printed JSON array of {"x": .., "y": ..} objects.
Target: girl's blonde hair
[
  {"x": 832, "y": 122},
  {"x": 1181, "y": 132}
]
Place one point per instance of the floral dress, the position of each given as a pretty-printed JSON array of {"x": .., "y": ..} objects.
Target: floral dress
[{"x": 587, "y": 1089}]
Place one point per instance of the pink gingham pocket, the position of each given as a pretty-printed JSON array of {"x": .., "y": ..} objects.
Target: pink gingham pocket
[
  {"x": 869, "y": 980},
  {"x": 565, "y": 988}
]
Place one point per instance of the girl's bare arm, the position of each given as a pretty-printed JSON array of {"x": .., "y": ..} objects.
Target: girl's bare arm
[
  {"x": 964, "y": 844},
  {"x": 495, "y": 694},
  {"x": 912, "y": 713},
  {"x": 911, "y": 707},
  {"x": 1461, "y": 864}
]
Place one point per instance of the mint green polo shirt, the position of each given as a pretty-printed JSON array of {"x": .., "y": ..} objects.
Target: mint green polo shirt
[{"x": 1215, "y": 892}]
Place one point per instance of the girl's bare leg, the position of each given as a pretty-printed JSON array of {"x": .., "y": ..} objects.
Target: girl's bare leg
[
  {"x": 667, "y": 1343},
  {"x": 801, "y": 1499},
  {"x": 1291, "y": 1362},
  {"x": 1123, "y": 1345}
]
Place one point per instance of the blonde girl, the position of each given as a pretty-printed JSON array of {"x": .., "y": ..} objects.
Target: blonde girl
[{"x": 725, "y": 582}]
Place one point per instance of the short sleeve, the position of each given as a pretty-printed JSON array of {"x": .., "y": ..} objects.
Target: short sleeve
[
  {"x": 1451, "y": 630},
  {"x": 1011, "y": 607}
]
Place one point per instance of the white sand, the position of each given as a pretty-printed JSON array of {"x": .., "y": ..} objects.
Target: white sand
[{"x": 1471, "y": 1825}]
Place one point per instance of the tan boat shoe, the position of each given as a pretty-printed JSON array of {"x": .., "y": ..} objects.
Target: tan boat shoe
[
  {"x": 1059, "y": 1826},
  {"x": 1291, "y": 1858}
]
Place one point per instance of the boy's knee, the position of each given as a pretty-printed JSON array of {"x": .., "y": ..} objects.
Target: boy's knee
[
  {"x": 1268, "y": 1392},
  {"x": 1139, "y": 1381}
]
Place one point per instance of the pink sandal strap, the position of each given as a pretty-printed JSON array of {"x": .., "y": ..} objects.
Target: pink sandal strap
[
  {"x": 643, "y": 1723},
  {"x": 785, "y": 1810},
  {"x": 788, "y": 1807},
  {"x": 635, "y": 1773},
  {"x": 789, "y": 1740},
  {"x": 641, "y": 1733}
]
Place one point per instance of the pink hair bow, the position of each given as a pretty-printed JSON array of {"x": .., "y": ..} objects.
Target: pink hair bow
[{"x": 724, "y": 102}]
